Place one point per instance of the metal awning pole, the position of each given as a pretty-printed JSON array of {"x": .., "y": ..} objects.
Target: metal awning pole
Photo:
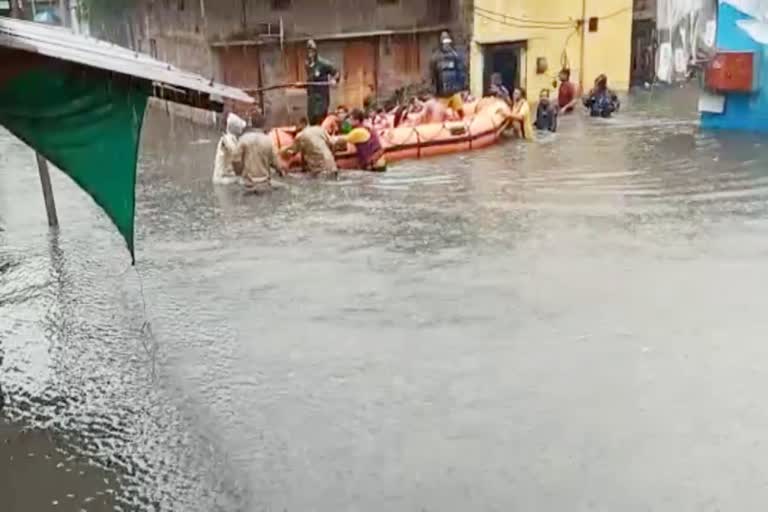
[
  {"x": 45, "y": 176},
  {"x": 45, "y": 182}
]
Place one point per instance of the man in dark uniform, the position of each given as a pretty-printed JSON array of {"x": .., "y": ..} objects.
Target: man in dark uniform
[
  {"x": 318, "y": 96},
  {"x": 449, "y": 74}
]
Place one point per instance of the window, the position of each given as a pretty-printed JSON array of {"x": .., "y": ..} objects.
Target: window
[
  {"x": 281, "y": 5},
  {"x": 387, "y": 2}
]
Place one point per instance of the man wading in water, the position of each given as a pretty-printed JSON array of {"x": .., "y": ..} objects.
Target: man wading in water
[
  {"x": 322, "y": 73},
  {"x": 257, "y": 157}
]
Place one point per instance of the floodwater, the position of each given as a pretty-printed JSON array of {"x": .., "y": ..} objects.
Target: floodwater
[{"x": 576, "y": 324}]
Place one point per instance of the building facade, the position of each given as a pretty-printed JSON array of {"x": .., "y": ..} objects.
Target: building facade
[
  {"x": 377, "y": 45},
  {"x": 529, "y": 41}
]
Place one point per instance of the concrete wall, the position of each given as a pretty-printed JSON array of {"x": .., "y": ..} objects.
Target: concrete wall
[{"x": 607, "y": 50}]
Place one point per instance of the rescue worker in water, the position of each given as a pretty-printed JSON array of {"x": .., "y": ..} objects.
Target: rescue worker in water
[
  {"x": 321, "y": 74},
  {"x": 449, "y": 75}
]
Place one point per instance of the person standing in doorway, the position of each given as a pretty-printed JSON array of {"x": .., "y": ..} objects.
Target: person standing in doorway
[
  {"x": 449, "y": 75},
  {"x": 568, "y": 93},
  {"x": 320, "y": 75},
  {"x": 498, "y": 89}
]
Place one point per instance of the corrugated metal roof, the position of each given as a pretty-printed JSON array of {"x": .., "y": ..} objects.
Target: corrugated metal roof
[{"x": 60, "y": 43}]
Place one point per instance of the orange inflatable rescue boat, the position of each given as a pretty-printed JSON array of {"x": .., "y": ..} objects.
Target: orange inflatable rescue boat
[{"x": 484, "y": 122}]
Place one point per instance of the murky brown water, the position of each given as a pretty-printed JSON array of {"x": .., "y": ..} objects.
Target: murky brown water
[{"x": 572, "y": 325}]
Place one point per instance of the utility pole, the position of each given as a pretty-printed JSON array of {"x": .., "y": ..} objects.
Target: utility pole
[
  {"x": 74, "y": 20},
  {"x": 16, "y": 11},
  {"x": 64, "y": 13},
  {"x": 42, "y": 164},
  {"x": 45, "y": 182}
]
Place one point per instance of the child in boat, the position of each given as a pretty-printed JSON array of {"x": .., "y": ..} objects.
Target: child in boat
[
  {"x": 498, "y": 89},
  {"x": 370, "y": 152},
  {"x": 521, "y": 115},
  {"x": 435, "y": 111},
  {"x": 226, "y": 152},
  {"x": 338, "y": 122},
  {"x": 380, "y": 120}
]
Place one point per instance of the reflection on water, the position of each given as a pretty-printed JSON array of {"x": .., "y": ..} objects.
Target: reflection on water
[{"x": 569, "y": 325}]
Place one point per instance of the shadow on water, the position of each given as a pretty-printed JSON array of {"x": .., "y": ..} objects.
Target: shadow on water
[{"x": 569, "y": 325}]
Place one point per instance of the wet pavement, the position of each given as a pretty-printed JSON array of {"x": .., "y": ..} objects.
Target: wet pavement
[{"x": 574, "y": 325}]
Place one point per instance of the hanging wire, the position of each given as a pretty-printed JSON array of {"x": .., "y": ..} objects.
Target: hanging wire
[
  {"x": 616, "y": 13},
  {"x": 564, "y": 61},
  {"x": 520, "y": 25},
  {"x": 489, "y": 12},
  {"x": 570, "y": 22}
]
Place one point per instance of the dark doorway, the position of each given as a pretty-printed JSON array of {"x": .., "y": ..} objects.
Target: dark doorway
[
  {"x": 504, "y": 59},
  {"x": 644, "y": 43}
]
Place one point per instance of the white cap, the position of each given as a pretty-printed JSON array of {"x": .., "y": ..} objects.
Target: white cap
[{"x": 235, "y": 124}]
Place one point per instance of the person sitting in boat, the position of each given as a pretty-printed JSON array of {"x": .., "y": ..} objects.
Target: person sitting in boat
[
  {"x": 546, "y": 113},
  {"x": 601, "y": 101},
  {"x": 258, "y": 156},
  {"x": 338, "y": 122},
  {"x": 468, "y": 97},
  {"x": 226, "y": 152},
  {"x": 521, "y": 115},
  {"x": 380, "y": 120},
  {"x": 315, "y": 147},
  {"x": 413, "y": 113},
  {"x": 498, "y": 89},
  {"x": 435, "y": 111},
  {"x": 370, "y": 152}
]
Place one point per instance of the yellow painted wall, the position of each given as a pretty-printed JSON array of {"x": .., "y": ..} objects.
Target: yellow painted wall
[{"x": 605, "y": 51}]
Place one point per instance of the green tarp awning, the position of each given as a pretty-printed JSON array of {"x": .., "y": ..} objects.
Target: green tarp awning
[{"x": 86, "y": 124}]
